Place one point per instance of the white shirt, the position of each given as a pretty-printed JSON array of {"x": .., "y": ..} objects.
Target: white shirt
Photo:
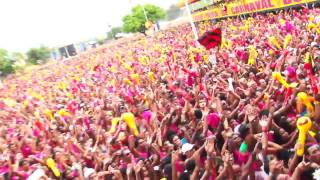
[{"x": 213, "y": 59}]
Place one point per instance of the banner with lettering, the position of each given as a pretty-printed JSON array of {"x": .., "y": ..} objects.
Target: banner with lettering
[{"x": 245, "y": 6}]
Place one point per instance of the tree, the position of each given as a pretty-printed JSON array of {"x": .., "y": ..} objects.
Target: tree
[
  {"x": 173, "y": 12},
  {"x": 135, "y": 22},
  {"x": 19, "y": 60},
  {"x": 100, "y": 40},
  {"x": 38, "y": 55},
  {"x": 112, "y": 33},
  {"x": 5, "y": 63}
]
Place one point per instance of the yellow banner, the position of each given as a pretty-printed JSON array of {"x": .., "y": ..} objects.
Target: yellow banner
[{"x": 246, "y": 6}]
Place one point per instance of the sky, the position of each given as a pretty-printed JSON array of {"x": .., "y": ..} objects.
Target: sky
[{"x": 31, "y": 23}]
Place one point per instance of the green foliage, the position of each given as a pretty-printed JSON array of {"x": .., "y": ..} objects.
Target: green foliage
[
  {"x": 5, "y": 63},
  {"x": 115, "y": 30},
  {"x": 19, "y": 60},
  {"x": 17, "y": 56},
  {"x": 38, "y": 55},
  {"x": 154, "y": 13},
  {"x": 4, "y": 54},
  {"x": 12, "y": 62},
  {"x": 100, "y": 41},
  {"x": 135, "y": 22},
  {"x": 173, "y": 12}
]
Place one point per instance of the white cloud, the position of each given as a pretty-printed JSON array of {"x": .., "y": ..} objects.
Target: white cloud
[{"x": 30, "y": 23}]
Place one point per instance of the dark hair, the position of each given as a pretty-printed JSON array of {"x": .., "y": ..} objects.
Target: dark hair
[
  {"x": 108, "y": 177},
  {"x": 164, "y": 82},
  {"x": 167, "y": 170},
  {"x": 274, "y": 176},
  {"x": 198, "y": 113},
  {"x": 140, "y": 159},
  {"x": 219, "y": 141},
  {"x": 170, "y": 135},
  {"x": 123, "y": 171},
  {"x": 171, "y": 94},
  {"x": 136, "y": 142},
  {"x": 317, "y": 137},
  {"x": 284, "y": 155},
  {"x": 277, "y": 137},
  {"x": 222, "y": 97},
  {"x": 284, "y": 123},
  {"x": 192, "y": 102},
  {"x": 243, "y": 130},
  {"x": 266, "y": 167},
  {"x": 190, "y": 165},
  {"x": 166, "y": 161},
  {"x": 184, "y": 176},
  {"x": 21, "y": 162},
  {"x": 307, "y": 174},
  {"x": 183, "y": 157},
  {"x": 199, "y": 137},
  {"x": 264, "y": 112},
  {"x": 210, "y": 129},
  {"x": 203, "y": 154},
  {"x": 253, "y": 70}
]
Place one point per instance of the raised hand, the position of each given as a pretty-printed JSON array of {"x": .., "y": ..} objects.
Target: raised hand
[
  {"x": 264, "y": 124},
  {"x": 209, "y": 145},
  {"x": 138, "y": 167},
  {"x": 129, "y": 170}
]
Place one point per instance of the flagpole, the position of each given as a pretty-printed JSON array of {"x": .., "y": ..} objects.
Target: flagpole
[
  {"x": 194, "y": 30},
  {"x": 143, "y": 9},
  {"x": 144, "y": 12}
]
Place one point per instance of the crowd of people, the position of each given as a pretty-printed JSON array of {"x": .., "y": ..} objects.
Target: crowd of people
[{"x": 162, "y": 107}]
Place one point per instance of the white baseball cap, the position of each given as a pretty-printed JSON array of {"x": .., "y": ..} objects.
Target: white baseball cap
[
  {"x": 37, "y": 174},
  {"x": 87, "y": 172},
  {"x": 186, "y": 147}
]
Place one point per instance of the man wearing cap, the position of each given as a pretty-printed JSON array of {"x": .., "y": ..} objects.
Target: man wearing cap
[{"x": 187, "y": 150}]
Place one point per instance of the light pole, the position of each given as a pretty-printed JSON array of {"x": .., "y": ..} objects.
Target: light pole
[
  {"x": 144, "y": 12},
  {"x": 143, "y": 9},
  {"x": 110, "y": 28},
  {"x": 194, "y": 30}
]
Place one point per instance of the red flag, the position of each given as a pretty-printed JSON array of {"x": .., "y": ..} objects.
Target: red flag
[
  {"x": 211, "y": 39},
  {"x": 312, "y": 79}
]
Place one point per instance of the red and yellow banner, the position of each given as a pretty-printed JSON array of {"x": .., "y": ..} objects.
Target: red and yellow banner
[
  {"x": 246, "y": 6},
  {"x": 181, "y": 3}
]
